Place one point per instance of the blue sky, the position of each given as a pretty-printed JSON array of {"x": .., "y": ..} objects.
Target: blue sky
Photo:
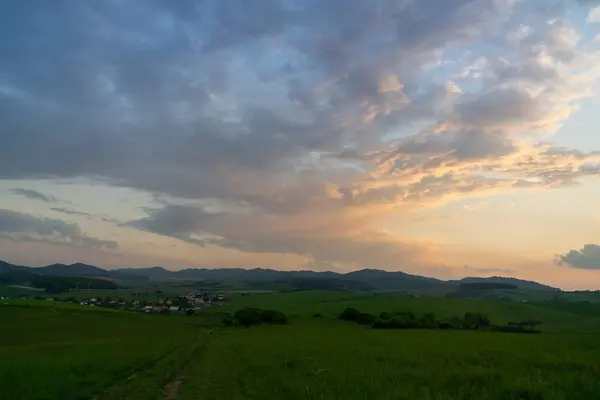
[{"x": 441, "y": 137}]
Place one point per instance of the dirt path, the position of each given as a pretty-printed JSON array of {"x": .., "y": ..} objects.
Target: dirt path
[
  {"x": 171, "y": 389},
  {"x": 129, "y": 377}
]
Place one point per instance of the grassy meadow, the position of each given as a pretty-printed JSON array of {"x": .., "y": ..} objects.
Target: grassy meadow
[
  {"x": 53, "y": 352},
  {"x": 48, "y": 352}
]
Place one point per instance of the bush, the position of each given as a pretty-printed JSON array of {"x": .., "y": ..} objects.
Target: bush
[
  {"x": 350, "y": 314},
  {"x": 445, "y": 325},
  {"x": 428, "y": 321},
  {"x": 248, "y": 316},
  {"x": 408, "y": 320},
  {"x": 274, "y": 317},
  {"x": 256, "y": 316},
  {"x": 385, "y": 315},
  {"x": 475, "y": 321},
  {"x": 365, "y": 319},
  {"x": 515, "y": 329}
]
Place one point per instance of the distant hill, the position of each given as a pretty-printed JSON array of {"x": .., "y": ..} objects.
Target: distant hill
[
  {"x": 366, "y": 279},
  {"x": 518, "y": 283},
  {"x": 17, "y": 274},
  {"x": 78, "y": 269}
]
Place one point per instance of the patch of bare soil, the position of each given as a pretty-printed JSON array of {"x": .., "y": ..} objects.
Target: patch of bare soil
[{"x": 171, "y": 389}]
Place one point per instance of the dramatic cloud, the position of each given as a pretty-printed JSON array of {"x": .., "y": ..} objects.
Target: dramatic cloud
[
  {"x": 34, "y": 195},
  {"x": 587, "y": 257},
  {"x": 319, "y": 239},
  {"x": 294, "y": 126},
  {"x": 23, "y": 227}
]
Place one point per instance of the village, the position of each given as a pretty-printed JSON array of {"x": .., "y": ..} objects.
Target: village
[{"x": 182, "y": 304}]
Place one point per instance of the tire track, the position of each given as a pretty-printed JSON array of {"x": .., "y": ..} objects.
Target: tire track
[{"x": 171, "y": 389}]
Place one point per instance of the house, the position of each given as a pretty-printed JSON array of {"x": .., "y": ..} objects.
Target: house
[{"x": 173, "y": 308}]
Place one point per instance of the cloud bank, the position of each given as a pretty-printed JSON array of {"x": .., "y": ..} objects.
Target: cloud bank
[
  {"x": 294, "y": 126},
  {"x": 26, "y": 228}
]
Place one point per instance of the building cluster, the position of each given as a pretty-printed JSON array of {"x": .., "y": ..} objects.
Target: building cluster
[{"x": 161, "y": 305}]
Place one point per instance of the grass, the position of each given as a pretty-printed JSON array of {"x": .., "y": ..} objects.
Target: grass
[
  {"x": 62, "y": 353},
  {"x": 331, "y": 303},
  {"x": 14, "y": 291},
  {"x": 48, "y": 352},
  {"x": 329, "y": 360}
]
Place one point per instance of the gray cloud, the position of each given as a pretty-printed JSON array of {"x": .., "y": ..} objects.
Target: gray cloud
[
  {"x": 24, "y": 227},
  {"x": 34, "y": 195},
  {"x": 240, "y": 103},
  {"x": 319, "y": 239},
  {"x": 588, "y": 257}
]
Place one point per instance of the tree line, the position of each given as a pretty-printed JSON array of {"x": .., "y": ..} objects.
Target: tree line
[
  {"x": 255, "y": 316},
  {"x": 386, "y": 320},
  {"x": 409, "y": 320}
]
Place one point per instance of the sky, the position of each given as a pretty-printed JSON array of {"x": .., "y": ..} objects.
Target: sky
[{"x": 446, "y": 138}]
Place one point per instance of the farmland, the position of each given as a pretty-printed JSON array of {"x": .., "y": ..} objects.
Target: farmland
[{"x": 49, "y": 352}]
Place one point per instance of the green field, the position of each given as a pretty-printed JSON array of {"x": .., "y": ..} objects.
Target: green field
[
  {"x": 53, "y": 352},
  {"x": 15, "y": 291}
]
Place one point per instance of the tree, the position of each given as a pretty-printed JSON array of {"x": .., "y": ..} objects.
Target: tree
[
  {"x": 351, "y": 314},
  {"x": 473, "y": 320},
  {"x": 248, "y": 316},
  {"x": 256, "y": 316},
  {"x": 428, "y": 321},
  {"x": 385, "y": 315},
  {"x": 274, "y": 317}
]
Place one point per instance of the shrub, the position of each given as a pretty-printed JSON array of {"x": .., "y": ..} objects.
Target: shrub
[
  {"x": 256, "y": 316},
  {"x": 475, "y": 321},
  {"x": 428, "y": 321},
  {"x": 445, "y": 325},
  {"x": 385, "y": 315},
  {"x": 515, "y": 329},
  {"x": 365, "y": 319},
  {"x": 350, "y": 314},
  {"x": 248, "y": 316},
  {"x": 527, "y": 323},
  {"x": 274, "y": 317}
]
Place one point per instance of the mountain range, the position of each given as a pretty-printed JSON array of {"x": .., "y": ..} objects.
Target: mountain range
[{"x": 366, "y": 279}]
